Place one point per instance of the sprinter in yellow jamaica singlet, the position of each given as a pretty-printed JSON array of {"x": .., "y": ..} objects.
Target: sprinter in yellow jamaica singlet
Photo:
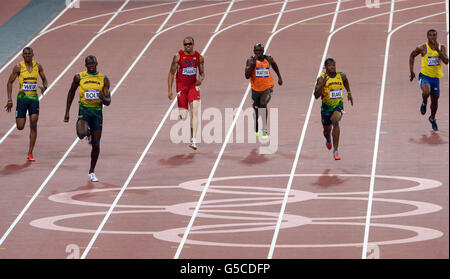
[
  {"x": 329, "y": 87},
  {"x": 27, "y": 99},
  {"x": 93, "y": 88}
]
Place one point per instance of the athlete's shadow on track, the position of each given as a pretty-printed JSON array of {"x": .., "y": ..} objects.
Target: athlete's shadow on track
[
  {"x": 178, "y": 160},
  {"x": 254, "y": 158},
  {"x": 327, "y": 180},
  {"x": 433, "y": 139},
  {"x": 13, "y": 168},
  {"x": 92, "y": 186}
]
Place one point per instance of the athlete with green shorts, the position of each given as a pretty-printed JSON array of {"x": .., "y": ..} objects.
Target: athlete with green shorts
[
  {"x": 93, "y": 88},
  {"x": 329, "y": 87},
  {"x": 27, "y": 99}
]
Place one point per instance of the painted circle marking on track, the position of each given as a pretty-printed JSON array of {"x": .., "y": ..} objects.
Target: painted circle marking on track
[{"x": 252, "y": 221}]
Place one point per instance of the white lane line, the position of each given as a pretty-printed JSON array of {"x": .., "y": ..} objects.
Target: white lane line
[
  {"x": 211, "y": 175},
  {"x": 72, "y": 146},
  {"x": 86, "y": 47},
  {"x": 302, "y": 137},
  {"x": 119, "y": 195},
  {"x": 248, "y": 89},
  {"x": 391, "y": 16},
  {"x": 49, "y": 88},
  {"x": 99, "y": 229},
  {"x": 280, "y": 14},
  {"x": 320, "y": 68},
  {"x": 45, "y": 31},
  {"x": 220, "y": 22},
  {"x": 35, "y": 38},
  {"x": 5, "y": 235},
  {"x": 204, "y": 17},
  {"x": 338, "y": 6},
  {"x": 377, "y": 134}
]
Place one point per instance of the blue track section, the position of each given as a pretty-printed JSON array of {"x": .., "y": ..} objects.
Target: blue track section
[{"x": 19, "y": 29}]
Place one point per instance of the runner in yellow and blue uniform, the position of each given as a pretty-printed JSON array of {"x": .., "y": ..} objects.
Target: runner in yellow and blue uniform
[
  {"x": 93, "y": 88},
  {"x": 433, "y": 54},
  {"x": 329, "y": 87},
  {"x": 27, "y": 99}
]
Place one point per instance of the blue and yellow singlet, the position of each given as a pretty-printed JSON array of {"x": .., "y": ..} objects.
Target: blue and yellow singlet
[{"x": 431, "y": 63}]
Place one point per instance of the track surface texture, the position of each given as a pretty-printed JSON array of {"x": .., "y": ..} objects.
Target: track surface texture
[{"x": 158, "y": 199}]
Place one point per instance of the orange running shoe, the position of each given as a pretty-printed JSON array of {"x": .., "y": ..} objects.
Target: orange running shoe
[
  {"x": 328, "y": 144},
  {"x": 336, "y": 155},
  {"x": 30, "y": 157}
]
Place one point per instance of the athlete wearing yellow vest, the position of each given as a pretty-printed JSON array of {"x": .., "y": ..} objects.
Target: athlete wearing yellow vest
[
  {"x": 433, "y": 54},
  {"x": 257, "y": 69},
  {"x": 93, "y": 88},
  {"x": 27, "y": 99},
  {"x": 329, "y": 87}
]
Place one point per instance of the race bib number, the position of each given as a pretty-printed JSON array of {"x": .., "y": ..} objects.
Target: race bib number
[
  {"x": 29, "y": 86},
  {"x": 262, "y": 72},
  {"x": 189, "y": 71},
  {"x": 91, "y": 95},
  {"x": 434, "y": 61},
  {"x": 335, "y": 93}
]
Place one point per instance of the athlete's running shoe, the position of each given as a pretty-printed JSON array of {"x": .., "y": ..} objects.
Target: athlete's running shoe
[
  {"x": 336, "y": 155},
  {"x": 423, "y": 108},
  {"x": 30, "y": 157},
  {"x": 92, "y": 177},
  {"x": 265, "y": 134},
  {"x": 193, "y": 144},
  {"x": 433, "y": 124},
  {"x": 255, "y": 129},
  {"x": 329, "y": 145}
]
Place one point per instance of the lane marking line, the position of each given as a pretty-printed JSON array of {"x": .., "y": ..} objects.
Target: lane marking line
[
  {"x": 105, "y": 218},
  {"x": 5, "y": 235},
  {"x": 302, "y": 137},
  {"x": 377, "y": 133},
  {"x": 216, "y": 163}
]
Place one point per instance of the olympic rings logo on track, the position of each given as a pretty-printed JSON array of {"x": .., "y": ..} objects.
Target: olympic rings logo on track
[{"x": 256, "y": 220}]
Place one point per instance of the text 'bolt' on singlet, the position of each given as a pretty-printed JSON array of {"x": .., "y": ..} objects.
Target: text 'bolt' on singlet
[{"x": 89, "y": 88}]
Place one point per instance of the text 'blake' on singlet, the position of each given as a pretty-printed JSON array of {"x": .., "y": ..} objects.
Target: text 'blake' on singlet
[
  {"x": 89, "y": 88},
  {"x": 187, "y": 69},
  {"x": 332, "y": 92},
  {"x": 28, "y": 82},
  {"x": 261, "y": 78},
  {"x": 431, "y": 63}
]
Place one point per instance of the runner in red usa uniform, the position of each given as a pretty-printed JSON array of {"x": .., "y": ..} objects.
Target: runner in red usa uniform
[{"x": 188, "y": 66}]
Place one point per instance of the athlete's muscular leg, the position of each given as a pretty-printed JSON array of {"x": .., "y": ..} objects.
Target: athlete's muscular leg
[
  {"x": 425, "y": 92},
  {"x": 263, "y": 101},
  {"x": 183, "y": 113},
  {"x": 434, "y": 105},
  {"x": 96, "y": 135},
  {"x": 33, "y": 131},
  {"x": 327, "y": 132},
  {"x": 193, "y": 107},
  {"x": 335, "y": 118},
  {"x": 82, "y": 128},
  {"x": 20, "y": 123},
  {"x": 256, "y": 115}
]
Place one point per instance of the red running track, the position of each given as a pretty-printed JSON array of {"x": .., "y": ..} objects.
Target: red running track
[{"x": 325, "y": 215}]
